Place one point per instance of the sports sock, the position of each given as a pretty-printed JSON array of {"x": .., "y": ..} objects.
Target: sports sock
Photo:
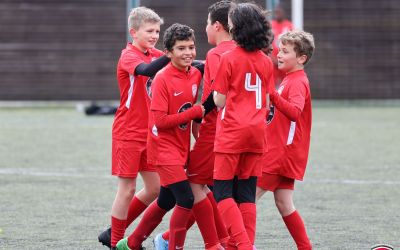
[
  {"x": 189, "y": 224},
  {"x": 219, "y": 223},
  {"x": 136, "y": 207},
  {"x": 151, "y": 219},
  {"x": 177, "y": 227},
  {"x": 295, "y": 225},
  {"x": 233, "y": 220},
  {"x": 203, "y": 212},
  {"x": 117, "y": 230},
  {"x": 249, "y": 213}
]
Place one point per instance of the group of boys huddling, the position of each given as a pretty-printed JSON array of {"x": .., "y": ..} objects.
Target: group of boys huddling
[{"x": 233, "y": 161}]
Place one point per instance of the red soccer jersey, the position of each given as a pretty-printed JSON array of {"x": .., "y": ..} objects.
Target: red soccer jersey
[
  {"x": 174, "y": 91},
  {"x": 213, "y": 58},
  {"x": 289, "y": 141},
  {"x": 131, "y": 118},
  {"x": 244, "y": 78}
]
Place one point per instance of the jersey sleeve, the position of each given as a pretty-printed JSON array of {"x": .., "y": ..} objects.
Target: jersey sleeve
[
  {"x": 212, "y": 62},
  {"x": 222, "y": 78},
  {"x": 160, "y": 95},
  {"x": 297, "y": 95},
  {"x": 129, "y": 62}
]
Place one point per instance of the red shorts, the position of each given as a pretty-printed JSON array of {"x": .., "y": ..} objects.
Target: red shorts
[
  {"x": 128, "y": 158},
  {"x": 170, "y": 174},
  {"x": 243, "y": 165},
  {"x": 201, "y": 163},
  {"x": 272, "y": 182}
]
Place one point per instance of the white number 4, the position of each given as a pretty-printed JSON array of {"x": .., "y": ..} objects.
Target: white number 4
[{"x": 256, "y": 88}]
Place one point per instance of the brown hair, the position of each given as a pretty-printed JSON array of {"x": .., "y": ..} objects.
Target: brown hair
[{"x": 303, "y": 43}]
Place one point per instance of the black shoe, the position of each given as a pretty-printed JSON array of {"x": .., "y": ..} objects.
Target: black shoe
[{"x": 105, "y": 238}]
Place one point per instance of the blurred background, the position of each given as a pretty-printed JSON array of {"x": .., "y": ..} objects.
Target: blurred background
[{"x": 68, "y": 49}]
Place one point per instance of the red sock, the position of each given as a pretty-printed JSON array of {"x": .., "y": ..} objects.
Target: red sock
[
  {"x": 189, "y": 224},
  {"x": 177, "y": 227},
  {"x": 219, "y": 223},
  {"x": 233, "y": 220},
  {"x": 203, "y": 212},
  {"x": 249, "y": 213},
  {"x": 117, "y": 230},
  {"x": 135, "y": 209},
  {"x": 151, "y": 218},
  {"x": 296, "y": 227}
]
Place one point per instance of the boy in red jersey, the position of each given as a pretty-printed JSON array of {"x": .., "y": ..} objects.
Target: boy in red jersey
[
  {"x": 174, "y": 92},
  {"x": 289, "y": 128},
  {"x": 201, "y": 160},
  {"x": 241, "y": 85},
  {"x": 138, "y": 61},
  {"x": 280, "y": 25}
]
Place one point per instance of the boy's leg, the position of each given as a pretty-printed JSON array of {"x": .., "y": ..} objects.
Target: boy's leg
[
  {"x": 292, "y": 219},
  {"x": 225, "y": 168},
  {"x": 182, "y": 212},
  {"x": 152, "y": 218},
  {"x": 203, "y": 212},
  {"x": 127, "y": 158},
  {"x": 223, "y": 235},
  {"x": 231, "y": 214},
  {"x": 259, "y": 193},
  {"x": 245, "y": 197},
  {"x": 119, "y": 210},
  {"x": 145, "y": 196}
]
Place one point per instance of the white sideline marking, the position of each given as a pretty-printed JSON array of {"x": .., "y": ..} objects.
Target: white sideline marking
[{"x": 36, "y": 172}]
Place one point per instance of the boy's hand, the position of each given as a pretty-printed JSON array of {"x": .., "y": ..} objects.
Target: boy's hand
[
  {"x": 195, "y": 130},
  {"x": 203, "y": 109}
]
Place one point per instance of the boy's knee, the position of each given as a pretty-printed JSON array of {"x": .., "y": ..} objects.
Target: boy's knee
[
  {"x": 186, "y": 201},
  {"x": 223, "y": 189},
  {"x": 246, "y": 191},
  {"x": 284, "y": 207}
]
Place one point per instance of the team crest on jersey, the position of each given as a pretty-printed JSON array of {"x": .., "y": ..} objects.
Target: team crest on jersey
[
  {"x": 148, "y": 86},
  {"x": 194, "y": 90},
  {"x": 382, "y": 247},
  {"x": 271, "y": 114},
  {"x": 184, "y": 107}
]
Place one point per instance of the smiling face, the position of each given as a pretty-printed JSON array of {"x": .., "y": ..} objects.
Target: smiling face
[
  {"x": 146, "y": 36},
  {"x": 182, "y": 54},
  {"x": 288, "y": 61}
]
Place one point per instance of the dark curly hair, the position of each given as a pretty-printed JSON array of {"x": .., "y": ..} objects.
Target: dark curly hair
[
  {"x": 219, "y": 12},
  {"x": 251, "y": 28},
  {"x": 177, "y": 32}
]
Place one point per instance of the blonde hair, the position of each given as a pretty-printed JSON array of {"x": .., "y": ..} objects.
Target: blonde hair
[
  {"x": 303, "y": 42},
  {"x": 140, "y": 15}
]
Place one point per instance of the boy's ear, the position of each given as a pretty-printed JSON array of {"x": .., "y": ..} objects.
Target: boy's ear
[
  {"x": 168, "y": 53},
  {"x": 217, "y": 25},
  {"x": 132, "y": 32},
  {"x": 302, "y": 59}
]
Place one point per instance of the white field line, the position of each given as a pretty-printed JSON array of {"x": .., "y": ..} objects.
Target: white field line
[{"x": 36, "y": 172}]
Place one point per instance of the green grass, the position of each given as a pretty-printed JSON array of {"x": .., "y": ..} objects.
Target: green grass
[{"x": 56, "y": 190}]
